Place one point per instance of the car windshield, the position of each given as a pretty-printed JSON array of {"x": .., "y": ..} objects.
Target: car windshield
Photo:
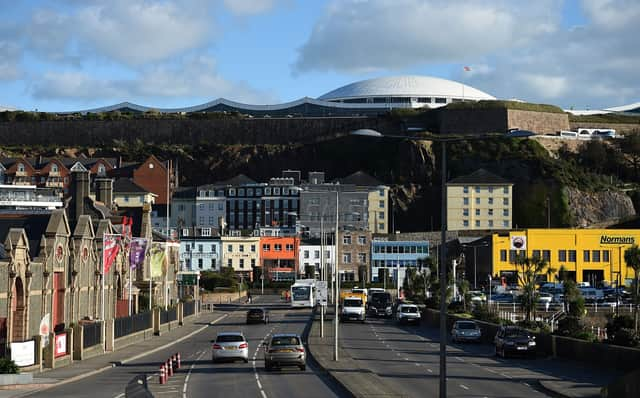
[
  {"x": 380, "y": 298},
  {"x": 300, "y": 292},
  {"x": 352, "y": 303},
  {"x": 516, "y": 333},
  {"x": 229, "y": 338},
  {"x": 285, "y": 340},
  {"x": 409, "y": 310},
  {"x": 466, "y": 325},
  {"x": 255, "y": 312}
]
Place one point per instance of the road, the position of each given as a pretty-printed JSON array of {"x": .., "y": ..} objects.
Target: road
[
  {"x": 199, "y": 377},
  {"x": 407, "y": 358}
]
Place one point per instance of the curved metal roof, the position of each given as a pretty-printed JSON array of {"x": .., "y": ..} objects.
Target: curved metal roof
[{"x": 406, "y": 86}]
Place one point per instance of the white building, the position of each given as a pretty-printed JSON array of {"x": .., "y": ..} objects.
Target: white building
[{"x": 309, "y": 254}]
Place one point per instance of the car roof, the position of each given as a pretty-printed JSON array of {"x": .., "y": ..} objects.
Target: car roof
[
  {"x": 285, "y": 335},
  {"x": 408, "y": 305},
  {"x": 230, "y": 334},
  {"x": 465, "y": 321}
]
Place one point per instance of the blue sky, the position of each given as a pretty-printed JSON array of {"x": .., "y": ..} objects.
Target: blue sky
[{"x": 76, "y": 54}]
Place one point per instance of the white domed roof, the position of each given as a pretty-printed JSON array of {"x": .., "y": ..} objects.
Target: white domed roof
[{"x": 406, "y": 86}]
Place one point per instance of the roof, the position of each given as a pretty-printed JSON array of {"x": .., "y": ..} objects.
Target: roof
[
  {"x": 184, "y": 192},
  {"x": 360, "y": 178},
  {"x": 34, "y": 225},
  {"x": 125, "y": 185},
  {"x": 240, "y": 179},
  {"x": 635, "y": 107},
  {"x": 480, "y": 176},
  {"x": 408, "y": 85}
]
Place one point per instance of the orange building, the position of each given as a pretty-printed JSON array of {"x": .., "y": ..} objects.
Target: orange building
[{"x": 279, "y": 257}]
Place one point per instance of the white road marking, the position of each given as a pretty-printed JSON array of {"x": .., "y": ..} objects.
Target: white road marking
[
  {"x": 186, "y": 379},
  {"x": 429, "y": 370},
  {"x": 506, "y": 375},
  {"x": 459, "y": 359},
  {"x": 463, "y": 386}
]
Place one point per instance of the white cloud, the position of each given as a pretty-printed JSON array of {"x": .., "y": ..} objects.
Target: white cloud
[
  {"x": 194, "y": 77},
  {"x": 10, "y": 55},
  {"x": 545, "y": 85},
  {"x": 381, "y": 34},
  {"x": 249, "y": 7},
  {"x": 612, "y": 14}
]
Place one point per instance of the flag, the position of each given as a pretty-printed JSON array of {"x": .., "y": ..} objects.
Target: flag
[
  {"x": 467, "y": 69},
  {"x": 110, "y": 249},
  {"x": 137, "y": 251},
  {"x": 158, "y": 259}
]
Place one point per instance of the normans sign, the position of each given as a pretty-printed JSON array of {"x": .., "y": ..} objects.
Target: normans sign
[{"x": 617, "y": 240}]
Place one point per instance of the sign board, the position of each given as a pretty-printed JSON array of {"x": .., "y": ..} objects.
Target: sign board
[
  {"x": 44, "y": 329},
  {"x": 61, "y": 345},
  {"x": 187, "y": 279},
  {"x": 24, "y": 354},
  {"x": 518, "y": 242},
  {"x": 321, "y": 292}
]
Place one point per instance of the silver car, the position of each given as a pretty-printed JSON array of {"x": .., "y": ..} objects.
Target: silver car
[
  {"x": 465, "y": 331},
  {"x": 284, "y": 350},
  {"x": 230, "y": 346}
]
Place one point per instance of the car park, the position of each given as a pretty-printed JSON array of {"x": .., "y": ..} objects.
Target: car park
[
  {"x": 514, "y": 340},
  {"x": 477, "y": 296},
  {"x": 284, "y": 350},
  {"x": 230, "y": 346},
  {"x": 257, "y": 315},
  {"x": 545, "y": 298},
  {"x": 465, "y": 331},
  {"x": 408, "y": 313}
]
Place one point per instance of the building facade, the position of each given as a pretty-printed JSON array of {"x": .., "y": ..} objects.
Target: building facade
[
  {"x": 354, "y": 255},
  {"x": 241, "y": 253},
  {"x": 587, "y": 255},
  {"x": 395, "y": 257},
  {"x": 279, "y": 257},
  {"x": 479, "y": 201},
  {"x": 200, "y": 250},
  {"x": 309, "y": 254}
]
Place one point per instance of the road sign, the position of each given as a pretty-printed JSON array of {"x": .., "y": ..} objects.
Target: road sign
[
  {"x": 187, "y": 279},
  {"x": 321, "y": 292}
]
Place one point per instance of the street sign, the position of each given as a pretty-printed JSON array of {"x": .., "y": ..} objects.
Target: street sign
[
  {"x": 321, "y": 292},
  {"x": 188, "y": 279}
]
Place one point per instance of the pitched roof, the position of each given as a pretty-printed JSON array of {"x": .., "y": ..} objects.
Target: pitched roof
[
  {"x": 125, "y": 185},
  {"x": 240, "y": 179},
  {"x": 34, "y": 225},
  {"x": 185, "y": 192},
  {"x": 480, "y": 176},
  {"x": 360, "y": 178}
]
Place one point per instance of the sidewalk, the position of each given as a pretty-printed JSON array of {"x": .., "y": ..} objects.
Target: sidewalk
[
  {"x": 570, "y": 389},
  {"x": 361, "y": 383},
  {"x": 49, "y": 378}
]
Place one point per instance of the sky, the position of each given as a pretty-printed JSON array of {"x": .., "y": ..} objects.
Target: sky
[{"x": 65, "y": 55}]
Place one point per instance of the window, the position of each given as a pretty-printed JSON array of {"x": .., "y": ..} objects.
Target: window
[
  {"x": 490, "y": 201},
  {"x": 490, "y": 189},
  {"x": 512, "y": 256},
  {"x": 21, "y": 167},
  {"x": 126, "y": 198},
  {"x": 362, "y": 258},
  {"x": 54, "y": 168},
  {"x": 346, "y": 258},
  {"x": 241, "y": 248},
  {"x": 185, "y": 231},
  {"x": 305, "y": 254},
  {"x": 477, "y": 212},
  {"x": 206, "y": 231},
  {"x": 381, "y": 225},
  {"x": 465, "y": 223},
  {"x": 229, "y": 248},
  {"x": 477, "y": 189},
  {"x": 241, "y": 192},
  {"x": 289, "y": 247},
  {"x": 477, "y": 223},
  {"x": 441, "y": 100},
  {"x": 465, "y": 212},
  {"x": 503, "y": 255},
  {"x": 213, "y": 248},
  {"x": 595, "y": 256},
  {"x": 381, "y": 192},
  {"x": 213, "y": 263},
  {"x": 201, "y": 220},
  {"x": 605, "y": 256},
  {"x": 187, "y": 248},
  {"x": 200, "y": 263},
  {"x": 381, "y": 215},
  {"x": 232, "y": 192},
  {"x": 477, "y": 201},
  {"x": 490, "y": 223},
  {"x": 242, "y": 263},
  {"x": 277, "y": 247},
  {"x": 536, "y": 254},
  {"x": 572, "y": 256},
  {"x": 266, "y": 247},
  {"x": 230, "y": 263},
  {"x": 490, "y": 212},
  {"x": 362, "y": 240},
  {"x": 212, "y": 220},
  {"x": 562, "y": 255},
  {"x": 253, "y": 263},
  {"x": 346, "y": 239},
  {"x": 505, "y": 201},
  {"x": 465, "y": 189},
  {"x": 200, "y": 248},
  {"x": 253, "y": 248},
  {"x": 505, "y": 212},
  {"x": 546, "y": 255},
  {"x": 586, "y": 256},
  {"x": 201, "y": 206},
  {"x": 381, "y": 204},
  {"x": 465, "y": 201},
  {"x": 505, "y": 223},
  {"x": 316, "y": 254}
]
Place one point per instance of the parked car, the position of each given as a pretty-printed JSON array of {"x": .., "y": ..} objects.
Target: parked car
[
  {"x": 465, "y": 331},
  {"x": 477, "y": 296},
  {"x": 407, "y": 313},
  {"x": 258, "y": 315},
  {"x": 502, "y": 298},
  {"x": 514, "y": 340},
  {"x": 611, "y": 301},
  {"x": 284, "y": 350},
  {"x": 545, "y": 298},
  {"x": 230, "y": 346}
]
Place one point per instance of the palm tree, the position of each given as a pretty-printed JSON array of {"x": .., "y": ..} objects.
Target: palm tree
[
  {"x": 528, "y": 269},
  {"x": 550, "y": 272},
  {"x": 632, "y": 258}
]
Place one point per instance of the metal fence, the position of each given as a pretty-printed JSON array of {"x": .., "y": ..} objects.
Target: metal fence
[
  {"x": 91, "y": 334},
  {"x": 189, "y": 308},
  {"x": 131, "y": 324},
  {"x": 168, "y": 315}
]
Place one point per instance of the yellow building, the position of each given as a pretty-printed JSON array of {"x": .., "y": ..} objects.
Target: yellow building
[
  {"x": 379, "y": 209},
  {"x": 588, "y": 255},
  {"x": 479, "y": 201},
  {"x": 242, "y": 253}
]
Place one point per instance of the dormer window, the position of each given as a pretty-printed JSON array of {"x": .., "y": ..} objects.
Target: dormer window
[
  {"x": 151, "y": 165},
  {"x": 102, "y": 170},
  {"x": 54, "y": 168},
  {"x": 21, "y": 167}
]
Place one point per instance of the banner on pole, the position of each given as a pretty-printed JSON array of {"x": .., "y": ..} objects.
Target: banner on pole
[
  {"x": 137, "y": 251},
  {"x": 110, "y": 249},
  {"x": 158, "y": 260}
]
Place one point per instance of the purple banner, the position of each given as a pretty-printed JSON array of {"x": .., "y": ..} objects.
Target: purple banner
[{"x": 137, "y": 251}]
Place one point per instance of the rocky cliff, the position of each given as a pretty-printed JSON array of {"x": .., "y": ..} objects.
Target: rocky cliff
[{"x": 598, "y": 208}]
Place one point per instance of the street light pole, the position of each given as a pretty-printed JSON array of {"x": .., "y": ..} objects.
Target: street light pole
[
  {"x": 337, "y": 285},
  {"x": 443, "y": 278}
]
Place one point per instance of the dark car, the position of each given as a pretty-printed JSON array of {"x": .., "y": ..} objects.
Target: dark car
[
  {"x": 380, "y": 304},
  {"x": 257, "y": 315},
  {"x": 513, "y": 340}
]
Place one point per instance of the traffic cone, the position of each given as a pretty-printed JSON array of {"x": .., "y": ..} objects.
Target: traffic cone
[
  {"x": 178, "y": 359},
  {"x": 170, "y": 367},
  {"x": 162, "y": 378}
]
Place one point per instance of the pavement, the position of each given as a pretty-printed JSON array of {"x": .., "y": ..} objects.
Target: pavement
[
  {"x": 363, "y": 379},
  {"x": 52, "y": 378}
]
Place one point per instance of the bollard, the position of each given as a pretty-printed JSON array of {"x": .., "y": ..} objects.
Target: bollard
[
  {"x": 170, "y": 367},
  {"x": 178, "y": 359},
  {"x": 162, "y": 378},
  {"x": 174, "y": 362}
]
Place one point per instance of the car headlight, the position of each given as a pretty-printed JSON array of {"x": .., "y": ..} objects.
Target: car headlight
[{"x": 532, "y": 343}]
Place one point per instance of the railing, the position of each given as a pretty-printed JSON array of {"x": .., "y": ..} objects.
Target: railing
[
  {"x": 189, "y": 308},
  {"x": 91, "y": 334},
  {"x": 168, "y": 315},
  {"x": 131, "y": 324}
]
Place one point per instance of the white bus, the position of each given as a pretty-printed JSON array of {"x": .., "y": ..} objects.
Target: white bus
[{"x": 303, "y": 293}]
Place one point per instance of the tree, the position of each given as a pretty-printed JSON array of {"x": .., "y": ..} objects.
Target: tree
[
  {"x": 631, "y": 148},
  {"x": 632, "y": 258},
  {"x": 463, "y": 290},
  {"x": 528, "y": 270}
]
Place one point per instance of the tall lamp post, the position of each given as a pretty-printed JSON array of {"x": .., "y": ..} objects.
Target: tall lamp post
[{"x": 443, "y": 236}]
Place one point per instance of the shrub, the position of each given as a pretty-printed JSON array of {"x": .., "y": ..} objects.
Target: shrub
[
  {"x": 7, "y": 366},
  {"x": 482, "y": 313},
  {"x": 570, "y": 326},
  {"x": 456, "y": 307}
]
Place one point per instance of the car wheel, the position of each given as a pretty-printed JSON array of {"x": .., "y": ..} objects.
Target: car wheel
[
  {"x": 246, "y": 360},
  {"x": 303, "y": 367}
]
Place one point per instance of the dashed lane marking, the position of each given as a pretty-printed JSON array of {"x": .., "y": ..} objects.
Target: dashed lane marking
[
  {"x": 463, "y": 386},
  {"x": 186, "y": 379}
]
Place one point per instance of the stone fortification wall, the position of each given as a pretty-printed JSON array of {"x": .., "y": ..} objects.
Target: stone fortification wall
[
  {"x": 470, "y": 121},
  {"x": 540, "y": 122},
  {"x": 186, "y": 131}
]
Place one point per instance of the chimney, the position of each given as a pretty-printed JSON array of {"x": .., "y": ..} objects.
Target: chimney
[
  {"x": 104, "y": 191},
  {"x": 316, "y": 177},
  {"x": 79, "y": 191}
]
